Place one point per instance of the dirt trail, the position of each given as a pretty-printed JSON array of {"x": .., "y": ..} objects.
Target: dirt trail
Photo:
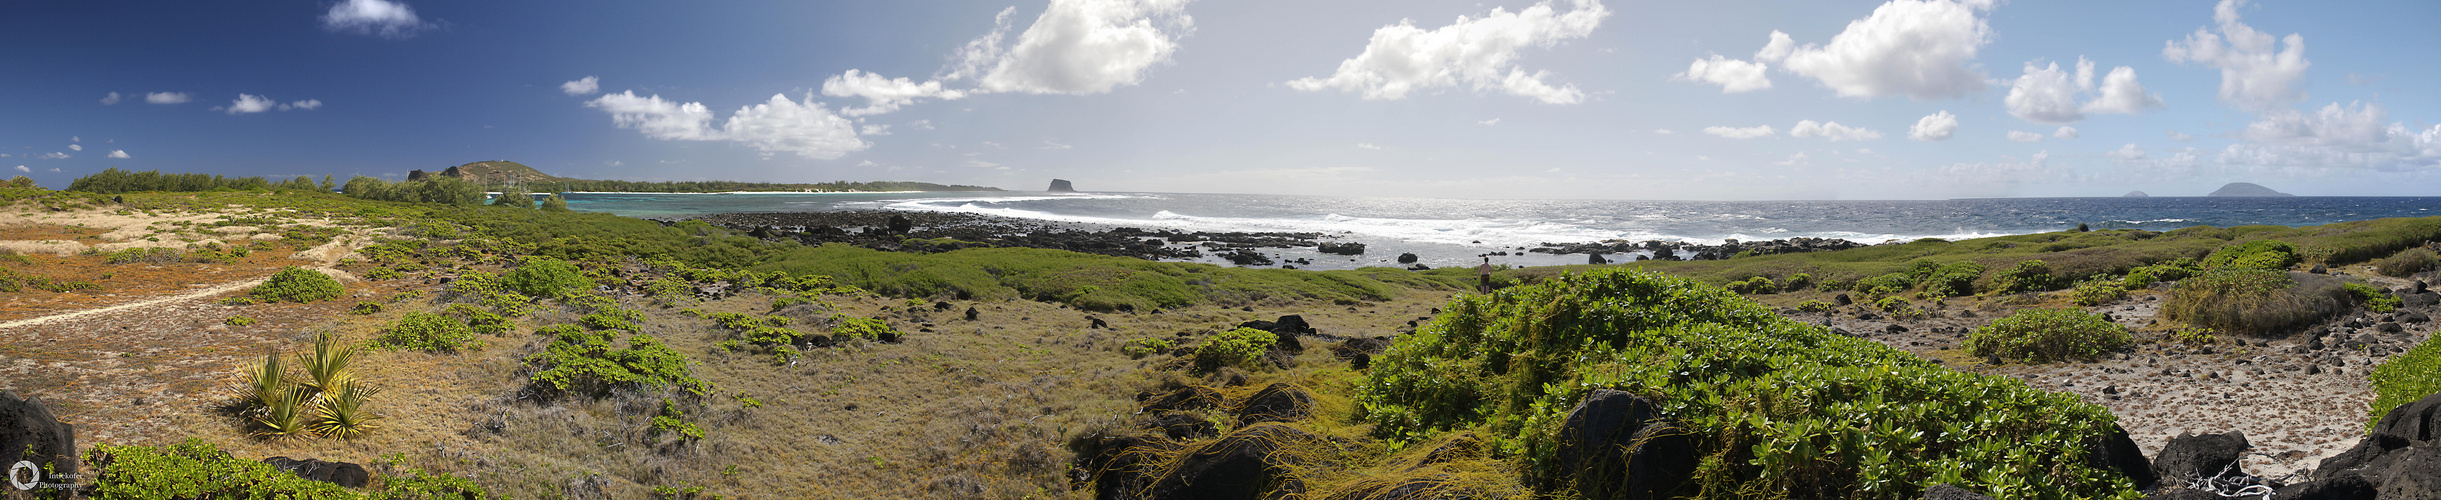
[{"x": 207, "y": 292}]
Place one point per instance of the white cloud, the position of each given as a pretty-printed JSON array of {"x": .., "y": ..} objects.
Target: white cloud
[
  {"x": 875, "y": 129},
  {"x": 2045, "y": 94},
  {"x": 1664, "y": 131},
  {"x": 1833, "y": 131},
  {"x": 1732, "y": 75},
  {"x": 76, "y": 147},
  {"x": 308, "y": 104},
  {"x": 1740, "y": 133},
  {"x": 113, "y": 98},
  {"x": 120, "y": 154},
  {"x": 883, "y": 95},
  {"x": 1077, "y": 47},
  {"x": 920, "y": 124},
  {"x": 2066, "y": 133},
  {"x": 1053, "y": 145},
  {"x": 54, "y": 155},
  {"x": 1795, "y": 160},
  {"x": 2253, "y": 76},
  {"x": 1494, "y": 121},
  {"x": 373, "y": 17},
  {"x": 2024, "y": 136},
  {"x": 2011, "y": 171},
  {"x": 1917, "y": 48},
  {"x": 2336, "y": 137},
  {"x": 1368, "y": 145},
  {"x": 2128, "y": 152},
  {"x": 21, "y": 168},
  {"x": 2121, "y": 94},
  {"x": 168, "y": 98},
  {"x": 250, "y": 103},
  {"x": 1478, "y": 52},
  {"x": 582, "y": 86},
  {"x": 2175, "y": 136},
  {"x": 779, "y": 125},
  {"x": 1934, "y": 127}
]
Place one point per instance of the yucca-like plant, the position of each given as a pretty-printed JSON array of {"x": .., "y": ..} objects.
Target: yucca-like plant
[
  {"x": 341, "y": 413},
  {"x": 284, "y": 415},
  {"x": 264, "y": 384},
  {"x": 326, "y": 368}
]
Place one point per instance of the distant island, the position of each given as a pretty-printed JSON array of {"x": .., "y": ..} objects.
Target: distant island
[
  {"x": 2237, "y": 189},
  {"x": 1062, "y": 186},
  {"x": 503, "y": 173},
  {"x": 2136, "y": 194}
]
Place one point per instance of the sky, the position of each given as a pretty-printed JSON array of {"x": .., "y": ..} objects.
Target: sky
[{"x": 1571, "y": 99}]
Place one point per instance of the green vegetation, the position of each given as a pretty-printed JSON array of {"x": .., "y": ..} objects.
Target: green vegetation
[
  {"x": 1242, "y": 347},
  {"x": 2260, "y": 254},
  {"x": 546, "y": 277},
  {"x": 2145, "y": 276},
  {"x": 436, "y": 189},
  {"x": 2027, "y": 276},
  {"x": 2407, "y": 263},
  {"x": 238, "y": 320},
  {"x": 513, "y": 198},
  {"x": 296, "y": 284},
  {"x": 196, "y": 469},
  {"x": 2405, "y": 378},
  {"x": 2248, "y": 299},
  {"x": 1092, "y": 282},
  {"x": 732, "y": 186},
  {"x": 115, "y": 181},
  {"x": 423, "y": 331},
  {"x": 1772, "y": 405},
  {"x": 2096, "y": 292},
  {"x": 581, "y": 360},
  {"x": 12, "y": 280},
  {"x": 1148, "y": 346},
  {"x": 2045, "y": 335},
  {"x": 555, "y": 203},
  {"x": 2374, "y": 299},
  {"x": 326, "y": 400}
]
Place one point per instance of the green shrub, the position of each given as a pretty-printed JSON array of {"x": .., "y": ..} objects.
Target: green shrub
[
  {"x": 1773, "y": 405},
  {"x": 1956, "y": 279},
  {"x": 479, "y": 320},
  {"x": 1241, "y": 347},
  {"x": 2405, "y": 378},
  {"x": 2027, "y": 276},
  {"x": 425, "y": 331},
  {"x": 239, "y": 320},
  {"x": 1148, "y": 346},
  {"x": 145, "y": 256},
  {"x": 2407, "y": 263},
  {"x": 2259, "y": 254},
  {"x": 2097, "y": 292},
  {"x": 2252, "y": 300},
  {"x": 513, "y": 198},
  {"x": 1797, "y": 282},
  {"x": 296, "y": 284},
  {"x": 590, "y": 361},
  {"x": 1887, "y": 284},
  {"x": 673, "y": 420},
  {"x": 850, "y": 327},
  {"x": 1760, "y": 286},
  {"x": 2374, "y": 299},
  {"x": 546, "y": 277},
  {"x": 196, "y": 469},
  {"x": 2194, "y": 336},
  {"x": 1898, "y": 308},
  {"x": 364, "y": 308},
  {"x": 2044, "y": 335},
  {"x": 382, "y": 273},
  {"x": 1814, "y": 306}
]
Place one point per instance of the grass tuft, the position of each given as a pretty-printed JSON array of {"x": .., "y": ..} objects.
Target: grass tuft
[{"x": 2044, "y": 335}]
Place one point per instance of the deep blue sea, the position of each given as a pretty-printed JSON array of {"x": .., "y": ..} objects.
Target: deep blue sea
[{"x": 1454, "y": 232}]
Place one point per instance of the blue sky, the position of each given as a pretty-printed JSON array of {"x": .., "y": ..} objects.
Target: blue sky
[{"x": 1731, "y": 99}]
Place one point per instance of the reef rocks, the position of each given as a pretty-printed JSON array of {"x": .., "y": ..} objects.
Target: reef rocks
[{"x": 1673, "y": 249}]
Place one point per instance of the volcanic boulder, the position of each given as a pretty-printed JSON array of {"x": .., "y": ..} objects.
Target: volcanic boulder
[{"x": 29, "y": 432}]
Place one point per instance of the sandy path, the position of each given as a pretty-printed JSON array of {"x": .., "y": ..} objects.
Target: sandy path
[{"x": 207, "y": 292}]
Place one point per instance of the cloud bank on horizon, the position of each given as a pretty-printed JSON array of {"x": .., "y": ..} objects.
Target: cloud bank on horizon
[{"x": 1549, "y": 98}]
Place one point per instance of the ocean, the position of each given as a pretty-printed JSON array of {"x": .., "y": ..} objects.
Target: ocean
[{"x": 1445, "y": 232}]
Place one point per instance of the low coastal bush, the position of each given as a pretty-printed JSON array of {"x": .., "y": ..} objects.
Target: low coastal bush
[
  {"x": 1814, "y": 306},
  {"x": 2045, "y": 335},
  {"x": 1242, "y": 347},
  {"x": 2096, "y": 292},
  {"x": 297, "y": 284},
  {"x": 1771, "y": 404},
  {"x": 1148, "y": 346},
  {"x": 2253, "y": 300},
  {"x": 1956, "y": 279},
  {"x": 2404, "y": 379},
  {"x": 580, "y": 360},
  {"x": 196, "y": 469},
  {"x": 1799, "y": 281},
  {"x": 423, "y": 331},
  {"x": 547, "y": 278},
  {"x": 2407, "y": 263},
  {"x": 2174, "y": 270},
  {"x": 2374, "y": 299},
  {"x": 2259, "y": 254},
  {"x": 2026, "y": 276}
]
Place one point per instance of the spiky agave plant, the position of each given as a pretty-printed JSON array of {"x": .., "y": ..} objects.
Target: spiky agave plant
[
  {"x": 341, "y": 413},
  {"x": 284, "y": 415},
  {"x": 264, "y": 383},
  {"x": 326, "y": 368}
]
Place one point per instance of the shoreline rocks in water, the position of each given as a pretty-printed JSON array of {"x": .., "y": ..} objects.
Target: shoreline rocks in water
[{"x": 1673, "y": 249}]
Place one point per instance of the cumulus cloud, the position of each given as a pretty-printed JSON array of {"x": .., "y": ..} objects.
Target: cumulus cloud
[
  {"x": 875, "y": 129},
  {"x": 2048, "y": 95},
  {"x": 1795, "y": 160},
  {"x": 2336, "y": 137},
  {"x": 76, "y": 147},
  {"x": 1934, "y": 127},
  {"x": 2024, "y": 136},
  {"x": 2253, "y": 76},
  {"x": 307, "y": 104},
  {"x": 883, "y": 95},
  {"x": 2128, "y": 152},
  {"x": 1077, "y": 47},
  {"x": 373, "y": 17},
  {"x": 582, "y": 86},
  {"x": 54, "y": 155},
  {"x": 1732, "y": 75},
  {"x": 250, "y": 103},
  {"x": 113, "y": 98},
  {"x": 168, "y": 98},
  {"x": 1494, "y": 121},
  {"x": 119, "y": 154},
  {"x": 2066, "y": 133},
  {"x": 1833, "y": 131},
  {"x": 1917, "y": 48},
  {"x": 21, "y": 168},
  {"x": 779, "y": 125},
  {"x": 2175, "y": 136},
  {"x": 1478, "y": 52},
  {"x": 1741, "y": 133}
]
